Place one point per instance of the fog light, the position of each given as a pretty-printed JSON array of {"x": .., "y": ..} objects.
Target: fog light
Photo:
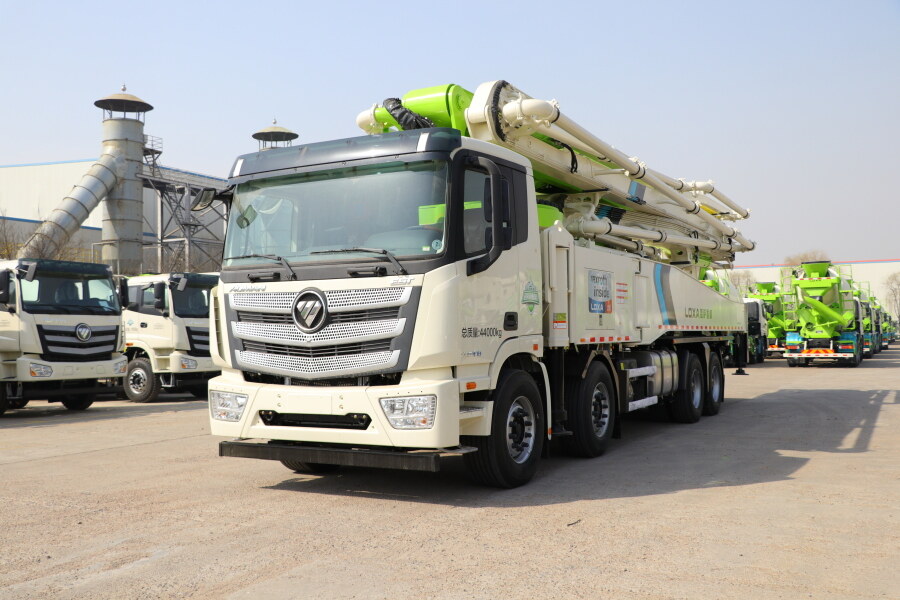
[
  {"x": 412, "y": 412},
  {"x": 188, "y": 363},
  {"x": 120, "y": 367},
  {"x": 227, "y": 406},
  {"x": 38, "y": 370}
]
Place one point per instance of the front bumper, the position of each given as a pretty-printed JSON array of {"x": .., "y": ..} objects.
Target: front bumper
[
  {"x": 303, "y": 400},
  {"x": 807, "y": 354},
  {"x": 70, "y": 371},
  {"x": 351, "y": 457}
]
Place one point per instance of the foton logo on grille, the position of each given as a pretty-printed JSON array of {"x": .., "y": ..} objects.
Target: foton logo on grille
[
  {"x": 83, "y": 332},
  {"x": 310, "y": 311}
]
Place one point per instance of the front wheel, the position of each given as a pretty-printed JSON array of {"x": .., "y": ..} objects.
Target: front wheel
[
  {"x": 141, "y": 383},
  {"x": 508, "y": 457}
]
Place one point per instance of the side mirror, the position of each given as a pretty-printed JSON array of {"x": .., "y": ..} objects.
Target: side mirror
[
  {"x": 159, "y": 295},
  {"x": 4, "y": 287},
  {"x": 206, "y": 196},
  {"x": 123, "y": 293}
]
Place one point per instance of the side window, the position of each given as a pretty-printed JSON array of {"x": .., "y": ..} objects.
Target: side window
[
  {"x": 148, "y": 301},
  {"x": 134, "y": 297},
  {"x": 475, "y": 227}
]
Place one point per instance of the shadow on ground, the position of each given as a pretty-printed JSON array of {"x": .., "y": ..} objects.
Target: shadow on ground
[
  {"x": 40, "y": 413},
  {"x": 749, "y": 442}
]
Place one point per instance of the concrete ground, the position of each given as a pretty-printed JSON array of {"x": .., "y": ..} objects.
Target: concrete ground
[{"x": 790, "y": 492}]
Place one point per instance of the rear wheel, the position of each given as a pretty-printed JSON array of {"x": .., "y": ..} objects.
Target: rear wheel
[
  {"x": 197, "y": 391},
  {"x": 591, "y": 406},
  {"x": 141, "y": 383},
  {"x": 306, "y": 467},
  {"x": 715, "y": 395},
  {"x": 79, "y": 401},
  {"x": 4, "y": 401},
  {"x": 688, "y": 403},
  {"x": 508, "y": 457},
  {"x": 18, "y": 403}
]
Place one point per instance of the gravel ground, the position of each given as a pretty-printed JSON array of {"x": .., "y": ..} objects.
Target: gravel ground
[{"x": 790, "y": 492}]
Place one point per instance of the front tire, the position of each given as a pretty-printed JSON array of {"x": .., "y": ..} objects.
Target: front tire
[
  {"x": 591, "y": 406},
  {"x": 141, "y": 383},
  {"x": 508, "y": 457}
]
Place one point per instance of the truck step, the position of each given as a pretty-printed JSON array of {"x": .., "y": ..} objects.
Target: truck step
[
  {"x": 642, "y": 403},
  {"x": 469, "y": 412}
]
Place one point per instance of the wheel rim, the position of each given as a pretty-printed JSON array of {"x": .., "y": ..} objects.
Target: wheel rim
[
  {"x": 600, "y": 410},
  {"x": 137, "y": 381},
  {"x": 696, "y": 389},
  {"x": 520, "y": 429}
]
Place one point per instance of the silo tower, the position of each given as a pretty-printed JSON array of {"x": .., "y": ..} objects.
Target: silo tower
[
  {"x": 274, "y": 137},
  {"x": 123, "y": 208}
]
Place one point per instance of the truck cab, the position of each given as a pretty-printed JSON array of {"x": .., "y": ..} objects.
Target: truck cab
[
  {"x": 757, "y": 329},
  {"x": 166, "y": 324},
  {"x": 60, "y": 335}
]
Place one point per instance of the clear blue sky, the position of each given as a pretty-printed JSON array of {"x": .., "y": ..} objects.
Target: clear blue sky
[{"x": 792, "y": 107}]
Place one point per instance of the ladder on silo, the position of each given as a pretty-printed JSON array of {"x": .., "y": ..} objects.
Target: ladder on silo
[{"x": 788, "y": 296}]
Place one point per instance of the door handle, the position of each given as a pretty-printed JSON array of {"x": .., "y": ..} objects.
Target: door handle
[{"x": 143, "y": 325}]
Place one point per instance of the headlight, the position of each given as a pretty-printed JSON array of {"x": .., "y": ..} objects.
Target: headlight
[
  {"x": 412, "y": 412},
  {"x": 227, "y": 406},
  {"x": 188, "y": 363},
  {"x": 121, "y": 367},
  {"x": 38, "y": 370}
]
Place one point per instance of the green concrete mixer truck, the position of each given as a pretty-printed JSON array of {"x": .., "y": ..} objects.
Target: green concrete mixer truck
[
  {"x": 478, "y": 276},
  {"x": 823, "y": 316}
]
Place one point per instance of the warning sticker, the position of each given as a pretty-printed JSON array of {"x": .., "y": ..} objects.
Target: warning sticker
[
  {"x": 621, "y": 292},
  {"x": 560, "y": 321},
  {"x": 600, "y": 292}
]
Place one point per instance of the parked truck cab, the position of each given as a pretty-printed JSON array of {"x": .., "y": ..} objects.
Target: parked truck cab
[
  {"x": 166, "y": 326},
  {"x": 60, "y": 336}
]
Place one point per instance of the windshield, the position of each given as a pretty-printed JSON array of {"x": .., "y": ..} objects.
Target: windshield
[
  {"x": 193, "y": 301},
  {"x": 69, "y": 293},
  {"x": 399, "y": 207}
]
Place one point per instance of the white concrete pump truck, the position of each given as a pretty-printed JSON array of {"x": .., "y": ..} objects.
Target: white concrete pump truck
[
  {"x": 486, "y": 278},
  {"x": 59, "y": 332}
]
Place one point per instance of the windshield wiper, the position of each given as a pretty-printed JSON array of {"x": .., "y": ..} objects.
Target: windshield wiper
[
  {"x": 386, "y": 253},
  {"x": 270, "y": 257}
]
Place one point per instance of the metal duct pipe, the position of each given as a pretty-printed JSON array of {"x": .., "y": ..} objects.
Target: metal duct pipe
[
  {"x": 66, "y": 219},
  {"x": 123, "y": 209},
  {"x": 606, "y": 227},
  {"x": 545, "y": 115}
]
